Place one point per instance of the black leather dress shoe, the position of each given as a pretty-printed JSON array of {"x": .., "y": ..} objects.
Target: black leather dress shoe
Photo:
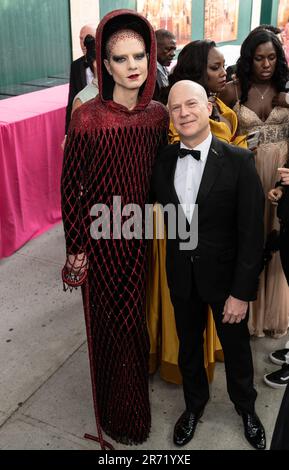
[
  {"x": 185, "y": 427},
  {"x": 254, "y": 430}
]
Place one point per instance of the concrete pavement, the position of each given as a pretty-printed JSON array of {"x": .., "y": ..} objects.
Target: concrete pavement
[{"x": 45, "y": 392}]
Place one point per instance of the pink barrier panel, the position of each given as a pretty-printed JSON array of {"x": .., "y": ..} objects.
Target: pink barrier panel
[{"x": 31, "y": 132}]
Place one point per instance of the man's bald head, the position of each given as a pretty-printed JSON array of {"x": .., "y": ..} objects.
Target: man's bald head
[
  {"x": 85, "y": 30},
  {"x": 190, "y": 111},
  {"x": 193, "y": 88}
]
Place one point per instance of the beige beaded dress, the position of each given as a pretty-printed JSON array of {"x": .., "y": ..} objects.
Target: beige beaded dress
[{"x": 270, "y": 312}]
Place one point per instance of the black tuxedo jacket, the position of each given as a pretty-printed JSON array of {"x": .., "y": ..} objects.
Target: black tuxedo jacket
[
  {"x": 229, "y": 255},
  {"x": 283, "y": 208},
  {"x": 77, "y": 82}
]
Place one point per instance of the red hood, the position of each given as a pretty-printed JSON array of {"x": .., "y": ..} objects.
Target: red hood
[{"x": 105, "y": 81}]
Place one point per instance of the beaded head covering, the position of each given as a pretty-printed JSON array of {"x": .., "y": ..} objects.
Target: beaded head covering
[{"x": 119, "y": 21}]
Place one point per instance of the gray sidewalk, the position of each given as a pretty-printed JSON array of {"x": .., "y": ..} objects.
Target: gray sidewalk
[{"x": 45, "y": 392}]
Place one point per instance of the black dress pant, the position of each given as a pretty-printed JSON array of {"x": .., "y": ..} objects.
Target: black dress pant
[
  {"x": 284, "y": 249},
  {"x": 191, "y": 317}
]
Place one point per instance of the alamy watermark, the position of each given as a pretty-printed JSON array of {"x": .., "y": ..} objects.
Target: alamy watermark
[{"x": 129, "y": 222}]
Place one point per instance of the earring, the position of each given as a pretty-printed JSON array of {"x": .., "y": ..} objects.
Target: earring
[{"x": 212, "y": 97}]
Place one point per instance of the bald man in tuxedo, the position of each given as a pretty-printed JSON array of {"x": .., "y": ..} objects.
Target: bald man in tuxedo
[{"x": 222, "y": 270}]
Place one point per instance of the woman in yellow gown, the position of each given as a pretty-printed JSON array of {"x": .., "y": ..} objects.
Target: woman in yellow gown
[{"x": 201, "y": 62}]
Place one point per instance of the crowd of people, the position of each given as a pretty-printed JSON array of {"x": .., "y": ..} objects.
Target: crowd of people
[{"x": 215, "y": 152}]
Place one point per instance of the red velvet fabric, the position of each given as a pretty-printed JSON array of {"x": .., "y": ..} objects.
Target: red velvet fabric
[{"x": 110, "y": 152}]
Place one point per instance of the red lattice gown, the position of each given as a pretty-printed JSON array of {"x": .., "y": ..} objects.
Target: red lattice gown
[{"x": 110, "y": 152}]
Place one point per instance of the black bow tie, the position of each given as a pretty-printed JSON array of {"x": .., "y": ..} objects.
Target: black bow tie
[{"x": 194, "y": 153}]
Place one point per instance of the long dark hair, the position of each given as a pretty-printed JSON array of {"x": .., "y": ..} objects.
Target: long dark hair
[
  {"x": 191, "y": 65},
  {"x": 89, "y": 42},
  {"x": 245, "y": 61}
]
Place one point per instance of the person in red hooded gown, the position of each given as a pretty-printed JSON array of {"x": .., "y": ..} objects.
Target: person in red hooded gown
[{"x": 110, "y": 151}]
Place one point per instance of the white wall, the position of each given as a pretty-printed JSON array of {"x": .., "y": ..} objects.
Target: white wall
[
  {"x": 82, "y": 12},
  {"x": 256, "y": 13}
]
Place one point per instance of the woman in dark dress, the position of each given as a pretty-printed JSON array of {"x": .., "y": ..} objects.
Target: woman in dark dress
[
  {"x": 277, "y": 379},
  {"x": 280, "y": 439}
]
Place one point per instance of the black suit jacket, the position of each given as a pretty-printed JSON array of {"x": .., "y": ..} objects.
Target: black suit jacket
[
  {"x": 229, "y": 255},
  {"x": 77, "y": 82},
  {"x": 283, "y": 208}
]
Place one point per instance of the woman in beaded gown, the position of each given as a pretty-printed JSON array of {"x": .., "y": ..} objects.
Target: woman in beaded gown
[
  {"x": 202, "y": 62},
  {"x": 110, "y": 151},
  {"x": 258, "y": 97}
]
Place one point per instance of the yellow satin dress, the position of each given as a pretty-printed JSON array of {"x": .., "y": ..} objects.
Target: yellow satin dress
[{"x": 164, "y": 344}]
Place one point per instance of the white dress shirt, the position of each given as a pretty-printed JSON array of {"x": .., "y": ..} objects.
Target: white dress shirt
[
  {"x": 89, "y": 75},
  {"x": 188, "y": 176}
]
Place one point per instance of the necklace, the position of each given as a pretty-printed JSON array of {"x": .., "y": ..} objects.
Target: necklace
[{"x": 262, "y": 94}]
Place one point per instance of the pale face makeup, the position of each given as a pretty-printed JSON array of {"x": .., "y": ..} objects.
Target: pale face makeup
[{"x": 127, "y": 60}]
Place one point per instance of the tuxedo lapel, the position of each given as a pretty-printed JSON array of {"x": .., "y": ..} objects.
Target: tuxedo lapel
[{"x": 212, "y": 168}]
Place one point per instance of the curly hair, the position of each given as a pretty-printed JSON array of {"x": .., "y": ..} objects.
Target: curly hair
[
  {"x": 245, "y": 61},
  {"x": 191, "y": 65}
]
